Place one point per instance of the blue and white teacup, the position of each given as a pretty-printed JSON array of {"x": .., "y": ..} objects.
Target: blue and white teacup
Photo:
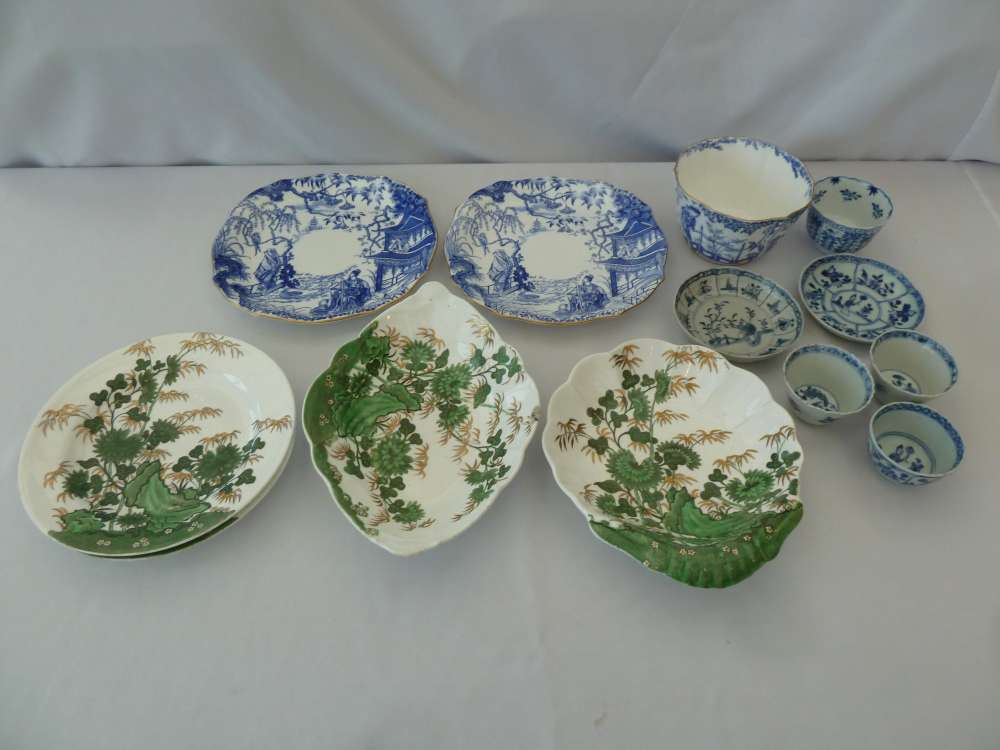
[
  {"x": 826, "y": 383},
  {"x": 846, "y": 213},
  {"x": 911, "y": 444},
  {"x": 911, "y": 366},
  {"x": 738, "y": 196}
]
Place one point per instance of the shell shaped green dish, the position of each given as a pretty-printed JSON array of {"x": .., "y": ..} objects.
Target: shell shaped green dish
[
  {"x": 677, "y": 458},
  {"x": 421, "y": 421}
]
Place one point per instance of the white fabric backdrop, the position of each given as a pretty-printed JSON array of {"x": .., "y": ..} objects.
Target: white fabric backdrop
[{"x": 318, "y": 81}]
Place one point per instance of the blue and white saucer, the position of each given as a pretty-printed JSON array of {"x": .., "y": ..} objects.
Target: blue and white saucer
[
  {"x": 744, "y": 316},
  {"x": 859, "y": 298},
  {"x": 322, "y": 248},
  {"x": 555, "y": 250}
]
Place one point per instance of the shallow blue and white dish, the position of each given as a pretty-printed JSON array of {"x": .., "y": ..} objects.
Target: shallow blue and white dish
[
  {"x": 859, "y": 298},
  {"x": 911, "y": 366},
  {"x": 846, "y": 213},
  {"x": 826, "y": 383},
  {"x": 911, "y": 444},
  {"x": 744, "y": 316},
  {"x": 738, "y": 196},
  {"x": 322, "y": 248},
  {"x": 555, "y": 250}
]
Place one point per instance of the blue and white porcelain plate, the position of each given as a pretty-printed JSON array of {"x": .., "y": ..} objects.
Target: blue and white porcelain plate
[
  {"x": 322, "y": 248},
  {"x": 744, "y": 316},
  {"x": 859, "y": 298},
  {"x": 554, "y": 250}
]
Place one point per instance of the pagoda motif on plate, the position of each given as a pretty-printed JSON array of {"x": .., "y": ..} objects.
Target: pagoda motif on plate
[
  {"x": 555, "y": 250},
  {"x": 325, "y": 247}
]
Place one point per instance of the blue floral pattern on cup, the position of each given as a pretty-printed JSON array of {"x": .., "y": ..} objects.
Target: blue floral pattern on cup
[
  {"x": 867, "y": 207},
  {"x": 905, "y": 458},
  {"x": 727, "y": 239},
  {"x": 814, "y": 400},
  {"x": 859, "y": 298}
]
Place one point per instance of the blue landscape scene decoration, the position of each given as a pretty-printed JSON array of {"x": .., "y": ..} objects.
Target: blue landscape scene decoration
[
  {"x": 555, "y": 250},
  {"x": 321, "y": 248}
]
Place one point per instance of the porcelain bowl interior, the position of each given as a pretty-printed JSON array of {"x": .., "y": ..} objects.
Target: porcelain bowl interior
[
  {"x": 913, "y": 444},
  {"x": 420, "y": 422},
  {"x": 744, "y": 178},
  {"x": 826, "y": 383},
  {"x": 744, "y": 316},
  {"x": 737, "y": 197},
  {"x": 852, "y": 202},
  {"x": 911, "y": 366}
]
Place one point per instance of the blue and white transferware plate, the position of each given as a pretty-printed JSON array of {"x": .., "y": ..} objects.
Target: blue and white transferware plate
[
  {"x": 322, "y": 248},
  {"x": 859, "y": 298},
  {"x": 554, "y": 250},
  {"x": 744, "y": 316}
]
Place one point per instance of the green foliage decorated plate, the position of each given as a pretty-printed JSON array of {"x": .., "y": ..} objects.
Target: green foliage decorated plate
[
  {"x": 677, "y": 458},
  {"x": 158, "y": 445},
  {"x": 421, "y": 421}
]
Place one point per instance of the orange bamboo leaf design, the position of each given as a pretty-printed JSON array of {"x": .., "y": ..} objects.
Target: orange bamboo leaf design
[
  {"x": 59, "y": 418},
  {"x": 626, "y": 357}
]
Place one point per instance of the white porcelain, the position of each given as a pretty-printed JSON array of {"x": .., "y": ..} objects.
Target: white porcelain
[
  {"x": 157, "y": 446},
  {"x": 744, "y": 316},
  {"x": 555, "y": 250},
  {"x": 911, "y": 444},
  {"x": 859, "y": 298},
  {"x": 677, "y": 458},
  {"x": 421, "y": 421},
  {"x": 911, "y": 366},
  {"x": 826, "y": 383},
  {"x": 738, "y": 196},
  {"x": 846, "y": 213}
]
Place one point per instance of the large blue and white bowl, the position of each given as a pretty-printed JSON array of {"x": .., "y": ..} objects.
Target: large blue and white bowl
[
  {"x": 846, "y": 213},
  {"x": 911, "y": 444},
  {"x": 738, "y": 196}
]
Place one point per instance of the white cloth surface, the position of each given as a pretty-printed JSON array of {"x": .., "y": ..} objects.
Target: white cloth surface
[
  {"x": 315, "y": 81},
  {"x": 876, "y": 627}
]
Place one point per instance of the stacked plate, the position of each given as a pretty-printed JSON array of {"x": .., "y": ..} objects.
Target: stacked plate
[{"x": 158, "y": 446}]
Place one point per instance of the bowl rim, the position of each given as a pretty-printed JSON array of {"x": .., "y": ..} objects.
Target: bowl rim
[
  {"x": 953, "y": 433},
  {"x": 766, "y": 220},
  {"x": 868, "y": 228},
  {"x": 836, "y": 351},
  {"x": 799, "y": 316},
  {"x": 855, "y": 258},
  {"x": 923, "y": 339}
]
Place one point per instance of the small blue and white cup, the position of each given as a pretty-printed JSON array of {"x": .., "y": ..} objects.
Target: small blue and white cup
[
  {"x": 911, "y": 444},
  {"x": 911, "y": 366},
  {"x": 846, "y": 213},
  {"x": 826, "y": 383}
]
